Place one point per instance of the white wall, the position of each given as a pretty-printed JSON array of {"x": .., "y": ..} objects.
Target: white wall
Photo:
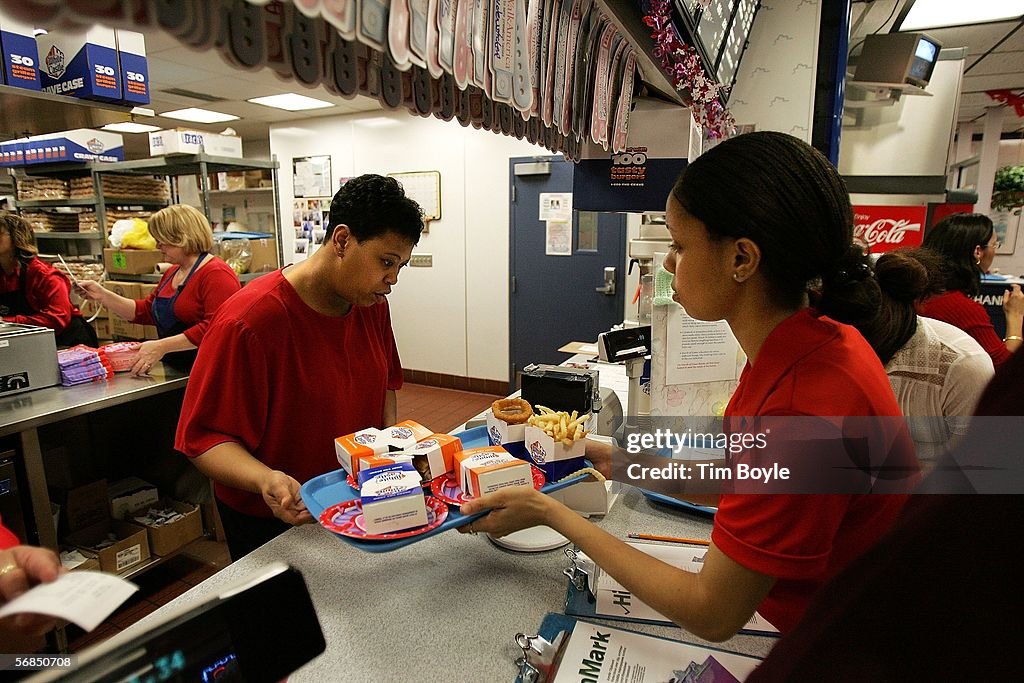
[
  {"x": 775, "y": 85},
  {"x": 451, "y": 318}
]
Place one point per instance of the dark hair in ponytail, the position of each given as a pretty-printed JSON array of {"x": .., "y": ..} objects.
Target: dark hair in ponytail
[
  {"x": 879, "y": 301},
  {"x": 782, "y": 194},
  {"x": 955, "y": 237}
]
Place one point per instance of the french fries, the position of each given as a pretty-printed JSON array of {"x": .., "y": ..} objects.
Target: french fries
[{"x": 560, "y": 425}]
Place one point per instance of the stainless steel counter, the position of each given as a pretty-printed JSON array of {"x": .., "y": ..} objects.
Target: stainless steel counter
[
  {"x": 46, "y": 406},
  {"x": 23, "y": 414}
]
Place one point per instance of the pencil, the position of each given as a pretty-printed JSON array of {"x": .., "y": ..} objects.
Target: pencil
[{"x": 670, "y": 539}]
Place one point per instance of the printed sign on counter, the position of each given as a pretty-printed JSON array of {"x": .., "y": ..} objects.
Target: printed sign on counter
[{"x": 699, "y": 351}]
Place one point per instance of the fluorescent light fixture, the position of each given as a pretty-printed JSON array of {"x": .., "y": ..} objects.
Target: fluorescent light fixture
[
  {"x": 939, "y": 13},
  {"x": 130, "y": 127},
  {"x": 290, "y": 102},
  {"x": 198, "y": 115},
  {"x": 376, "y": 122}
]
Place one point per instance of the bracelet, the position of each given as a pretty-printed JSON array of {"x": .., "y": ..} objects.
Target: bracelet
[{"x": 1013, "y": 337}]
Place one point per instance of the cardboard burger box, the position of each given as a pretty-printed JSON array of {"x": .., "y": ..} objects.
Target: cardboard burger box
[
  {"x": 184, "y": 141},
  {"x": 131, "y": 261},
  {"x": 130, "y": 549}
]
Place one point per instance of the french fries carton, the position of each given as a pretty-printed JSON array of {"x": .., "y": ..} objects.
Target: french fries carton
[
  {"x": 489, "y": 469},
  {"x": 435, "y": 455},
  {"x": 544, "y": 448},
  {"x": 404, "y": 435},
  {"x": 362, "y": 443},
  {"x": 392, "y": 498},
  {"x": 500, "y": 432}
]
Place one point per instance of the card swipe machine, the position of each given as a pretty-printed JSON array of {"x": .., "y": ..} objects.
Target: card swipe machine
[
  {"x": 561, "y": 388},
  {"x": 617, "y": 346}
]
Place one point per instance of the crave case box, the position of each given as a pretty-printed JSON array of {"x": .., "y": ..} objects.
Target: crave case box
[
  {"x": 80, "y": 145},
  {"x": 21, "y": 61},
  {"x": 80, "y": 63},
  {"x": 179, "y": 141},
  {"x": 131, "y": 56}
]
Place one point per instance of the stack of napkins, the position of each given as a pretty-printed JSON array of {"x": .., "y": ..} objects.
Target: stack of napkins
[
  {"x": 121, "y": 355},
  {"x": 81, "y": 364}
]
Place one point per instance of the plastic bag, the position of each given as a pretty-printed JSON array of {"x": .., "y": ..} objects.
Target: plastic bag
[
  {"x": 237, "y": 254},
  {"x": 131, "y": 233}
]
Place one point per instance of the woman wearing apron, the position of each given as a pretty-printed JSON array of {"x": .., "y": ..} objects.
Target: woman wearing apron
[
  {"x": 188, "y": 295},
  {"x": 33, "y": 292}
]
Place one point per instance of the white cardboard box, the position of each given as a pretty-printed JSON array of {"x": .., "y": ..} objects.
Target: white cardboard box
[
  {"x": 392, "y": 498},
  {"x": 500, "y": 432},
  {"x": 178, "y": 141}
]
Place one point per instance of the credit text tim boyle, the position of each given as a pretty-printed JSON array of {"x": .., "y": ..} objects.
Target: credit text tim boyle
[{"x": 661, "y": 439}]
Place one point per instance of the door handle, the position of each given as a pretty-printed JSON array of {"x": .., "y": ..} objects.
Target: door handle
[{"x": 608, "y": 289}]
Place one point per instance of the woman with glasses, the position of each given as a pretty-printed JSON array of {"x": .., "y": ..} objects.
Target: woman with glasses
[{"x": 967, "y": 244}]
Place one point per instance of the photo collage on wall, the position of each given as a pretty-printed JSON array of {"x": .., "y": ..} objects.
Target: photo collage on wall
[{"x": 309, "y": 219}]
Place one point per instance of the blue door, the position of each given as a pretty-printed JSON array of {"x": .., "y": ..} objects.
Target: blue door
[{"x": 556, "y": 299}]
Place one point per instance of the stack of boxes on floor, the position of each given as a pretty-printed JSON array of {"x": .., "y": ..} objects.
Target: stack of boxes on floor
[{"x": 114, "y": 527}]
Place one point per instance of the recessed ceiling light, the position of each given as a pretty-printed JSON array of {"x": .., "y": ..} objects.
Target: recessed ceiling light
[
  {"x": 198, "y": 115},
  {"x": 291, "y": 102},
  {"x": 939, "y": 13},
  {"x": 376, "y": 122},
  {"x": 130, "y": 127},
  {"x": 39, "y": 31}
]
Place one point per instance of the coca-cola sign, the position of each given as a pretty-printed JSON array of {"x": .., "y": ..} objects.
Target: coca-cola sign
[{"x": 886, "y": 228}]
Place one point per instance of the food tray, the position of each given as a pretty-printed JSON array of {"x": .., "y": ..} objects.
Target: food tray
[
  {"x": 679, "y": 504},
  {"x": 319, "y": 493}
]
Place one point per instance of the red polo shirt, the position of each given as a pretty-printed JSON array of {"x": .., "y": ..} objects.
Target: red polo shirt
[{"x": 809, "y": 365}]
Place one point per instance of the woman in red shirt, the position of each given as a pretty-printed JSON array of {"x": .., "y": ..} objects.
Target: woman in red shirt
[
  {"x": 33, "y": 292},
  {"x": 754, "y": 222},
  {"x": 189, "y": 294},
  {"x": 967, "y": 243}
]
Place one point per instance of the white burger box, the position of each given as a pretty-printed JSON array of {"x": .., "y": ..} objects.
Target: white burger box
[
  {"x": 489, "y": 469},
  {"x": 362, "y": 444},
  {"x": 183, "y": 141},
  {"x": 404, "y": 435},
  {"x": 391, "y": 498},
  {"x": 12, "y": 153},
  {"x": 439, "y": 452},
  {"x": 80, "y": 63}
]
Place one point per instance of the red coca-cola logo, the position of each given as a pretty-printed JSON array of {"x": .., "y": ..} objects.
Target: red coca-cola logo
[{"x": 885, "y": 228}]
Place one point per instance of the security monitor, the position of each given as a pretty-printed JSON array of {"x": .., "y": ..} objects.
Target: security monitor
[{"x": 898, "y": 58}]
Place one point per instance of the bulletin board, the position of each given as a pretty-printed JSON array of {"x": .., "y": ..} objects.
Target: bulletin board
[{"x": 424, "y": 187}]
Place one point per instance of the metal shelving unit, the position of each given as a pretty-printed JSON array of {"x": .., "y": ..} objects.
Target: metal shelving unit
[{"x": 171, "y": 166}]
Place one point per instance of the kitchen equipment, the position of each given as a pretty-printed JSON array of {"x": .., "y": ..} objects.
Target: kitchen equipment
[{"x": 28, "y": 358}]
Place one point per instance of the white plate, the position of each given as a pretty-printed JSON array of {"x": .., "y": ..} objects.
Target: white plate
[{"x": 532, "y": 540}]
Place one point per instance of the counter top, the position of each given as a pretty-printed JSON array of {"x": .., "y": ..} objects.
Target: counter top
[
  {"x": 449, "y": 605},
  {"x": 43, "y": 406}
]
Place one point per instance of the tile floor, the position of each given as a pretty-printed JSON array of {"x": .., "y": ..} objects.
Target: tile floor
[{"x": 439, "y": 409}]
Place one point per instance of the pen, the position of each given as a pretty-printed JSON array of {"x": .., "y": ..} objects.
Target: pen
[{"x": 670, "y": 539}]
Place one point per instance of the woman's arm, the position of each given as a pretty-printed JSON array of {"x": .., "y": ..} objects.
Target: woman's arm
[
  {"x": 229, "y": 463},
  {"x": 713, "y": 604},
  {"x": 121, "y": 306},
  {"x": 153, "y": 350}
]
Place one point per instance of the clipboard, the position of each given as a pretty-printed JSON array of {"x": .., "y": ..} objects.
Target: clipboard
[
  {"x": 543, "y": 653},
  {"x": 580, "y": 602}
]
